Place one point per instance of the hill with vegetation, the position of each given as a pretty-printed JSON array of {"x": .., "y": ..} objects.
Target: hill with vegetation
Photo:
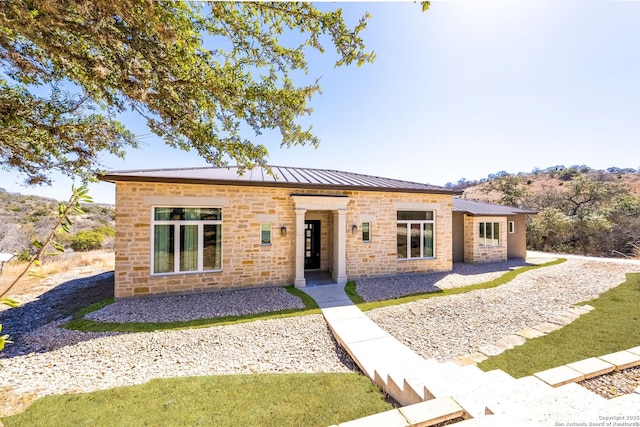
[
  {"x": 27, "y": 218},
  {"x": 581, "y": 210}
]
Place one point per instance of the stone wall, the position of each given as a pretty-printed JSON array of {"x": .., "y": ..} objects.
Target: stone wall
[
  {"x": 247, "y": 263},
  {"x": 476, "y": 253}
]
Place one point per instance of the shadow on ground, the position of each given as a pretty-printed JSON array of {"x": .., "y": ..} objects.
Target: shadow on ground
[{"x": 56, "y": 304}]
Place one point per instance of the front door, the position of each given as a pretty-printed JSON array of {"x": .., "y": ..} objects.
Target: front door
[{"x": 311, "y": 244}]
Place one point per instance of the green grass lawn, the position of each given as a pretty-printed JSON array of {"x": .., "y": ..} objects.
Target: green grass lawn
[
  {"x": 229, "y": 400},
  {"x": 613, "y": 326}
]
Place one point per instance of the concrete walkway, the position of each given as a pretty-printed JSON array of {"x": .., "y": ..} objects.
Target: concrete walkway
[{"x": 432, "y": 392}]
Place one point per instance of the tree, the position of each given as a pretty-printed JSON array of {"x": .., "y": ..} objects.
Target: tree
[
  {"x": 199, "y": 73},
  {"x": 585, "y": 195},
  {"x": 511, "y": 189}
]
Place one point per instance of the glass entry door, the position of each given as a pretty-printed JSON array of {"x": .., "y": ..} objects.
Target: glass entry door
[{"x": 312, "y": 244}]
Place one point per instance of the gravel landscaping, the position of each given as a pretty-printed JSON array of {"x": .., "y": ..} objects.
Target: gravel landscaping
[
  {"x": 444, "y": 328},
  {"x": 205, "y": 305},
  {"x": 49, "y": 360}
]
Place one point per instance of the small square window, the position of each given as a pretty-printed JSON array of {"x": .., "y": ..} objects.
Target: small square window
[
  {"x": 512, "y": 227},
  {"x": 366, "y": 232},
  {"x": 265, "y": 233}
]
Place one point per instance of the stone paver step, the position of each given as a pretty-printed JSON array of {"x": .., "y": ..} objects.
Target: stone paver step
[
  {"x": 422, "y": 414},
  {"x": 622, "y": 359},
  {"x": 560, "y": 375}
]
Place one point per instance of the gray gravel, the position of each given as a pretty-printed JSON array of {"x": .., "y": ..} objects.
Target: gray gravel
[
  {"x": 445, "y": 328},
  {"x": 78, "y": 362},
  {"x": 64, "y": 361},
  {"x": 204, "y": 305},
  {"x": 384, "y": 288}
]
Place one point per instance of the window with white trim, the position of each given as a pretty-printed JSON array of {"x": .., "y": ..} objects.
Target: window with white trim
[
  {"x": 186, "y": 240},
  {"x": 366, "y": 231},
  {"x": 415, "y": 234},
  {"x": 489, "y": 233},
  {"x": 265, "y": 233},
  {"x": 511, "y": 226}
]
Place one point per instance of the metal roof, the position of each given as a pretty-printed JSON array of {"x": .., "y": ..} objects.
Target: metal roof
[
  {"x": 474, "y": 207},
  {"x": 282, "y": 176}
]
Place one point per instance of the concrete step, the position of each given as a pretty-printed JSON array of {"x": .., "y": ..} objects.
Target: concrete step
[
  {"x": 535, "y": 400},
  {"x": 419, "y": 415},
  {"x": 498, "y": 421},
  {"x": 442, "y": 379},
  {"x": 473, "y": 394}
]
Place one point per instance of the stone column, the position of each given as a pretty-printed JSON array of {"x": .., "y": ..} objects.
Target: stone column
[
  {"x": 300, "y": 280},
  {"x": 339, "y": 273}
]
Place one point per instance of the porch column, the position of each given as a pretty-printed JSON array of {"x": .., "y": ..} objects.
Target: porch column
[
  {"x": 339, "y": 273},
  {"x": 300, "y": 280}
]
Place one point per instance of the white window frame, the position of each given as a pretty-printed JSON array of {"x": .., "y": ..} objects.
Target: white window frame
[
  {"x": 368, "y": 230},
  {"x": 511, "y": 226},
  {"x": 483, "y": 238},
  {"x": 176, "y": 244},
  {"x": 270, "y": 230},
  {"x": 422, "y": 223}
]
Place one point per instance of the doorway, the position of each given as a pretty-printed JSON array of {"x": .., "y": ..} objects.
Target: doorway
[{"x": 311, "y": 244}]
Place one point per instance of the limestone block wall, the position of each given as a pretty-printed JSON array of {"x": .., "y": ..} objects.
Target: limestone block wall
[
  {"x": 247, "y": 263},
  {"x": 476, "y": 253},
  {"x": 379, "y": 256}
]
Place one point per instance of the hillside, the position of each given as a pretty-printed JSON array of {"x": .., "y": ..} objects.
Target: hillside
[
  {"x": 582, "y": 211},
  {"x": 540, "y": 182},
  {"x": 26, "y": 218}
]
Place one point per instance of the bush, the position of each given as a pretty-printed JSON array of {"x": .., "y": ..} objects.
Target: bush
[{"x": 87, "y": 241}]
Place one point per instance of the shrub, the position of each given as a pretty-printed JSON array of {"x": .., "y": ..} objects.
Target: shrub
[{"x": 87, "y": 241}]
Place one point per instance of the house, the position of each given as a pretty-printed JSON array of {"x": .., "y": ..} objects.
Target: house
[
  {"x": 486, "y": 232},
  {"x": 199, "y": 229}
]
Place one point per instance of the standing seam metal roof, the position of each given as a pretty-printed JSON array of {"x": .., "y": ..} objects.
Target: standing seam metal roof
[
  {"x": 283, "y": 176},
  {"x": 474, "y": 207}
]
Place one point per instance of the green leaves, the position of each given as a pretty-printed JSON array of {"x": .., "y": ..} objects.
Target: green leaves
[
  {"x": 197, "y": 73},
  {"x": 4, "y": 339}
]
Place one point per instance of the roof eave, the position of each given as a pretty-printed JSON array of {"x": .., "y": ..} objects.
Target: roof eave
[{"x": 176, "y": 180}]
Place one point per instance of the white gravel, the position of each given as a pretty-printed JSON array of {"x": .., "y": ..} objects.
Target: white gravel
[
  {"x": 64, "y": 361},
  {"x": 93, "y": 362}
]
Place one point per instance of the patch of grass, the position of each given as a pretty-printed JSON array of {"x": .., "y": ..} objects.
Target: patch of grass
[
  {"x": 613, "y": 326},
  {"x": 79, "y": 323},
  {"x": 230, "y": 400},
  {"x": 350, "y": 290},
  {"x": 505, "y": 278},
  {"x": 94, "y": 307}
]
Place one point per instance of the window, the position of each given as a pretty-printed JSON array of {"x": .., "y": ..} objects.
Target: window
[
  {"x": 415, "y": 236},
  {"x": 366, "y": 231},
  {"x": 512, "y": 227},
  {"x": 489, "y": 234},
  {"x": 186, "y": 239},
  {"x": 265, "y": 233}
]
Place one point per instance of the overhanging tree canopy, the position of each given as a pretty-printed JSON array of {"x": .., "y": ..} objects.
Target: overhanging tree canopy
[{"x": 196, "y": 72}]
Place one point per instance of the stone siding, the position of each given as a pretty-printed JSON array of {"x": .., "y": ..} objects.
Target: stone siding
[
  {"x": 247, "y": 263},
  {"x": 476, "y": 253}
]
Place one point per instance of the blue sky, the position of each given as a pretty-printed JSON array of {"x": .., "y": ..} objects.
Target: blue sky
[{"x": 463, "y": 90}]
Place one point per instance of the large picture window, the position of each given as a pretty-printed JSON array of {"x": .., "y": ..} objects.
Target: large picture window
[
  {"x": 415, "y": 235},
  {"x": 186, "y": 240},
  {"x": 489, "y": 234}
]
